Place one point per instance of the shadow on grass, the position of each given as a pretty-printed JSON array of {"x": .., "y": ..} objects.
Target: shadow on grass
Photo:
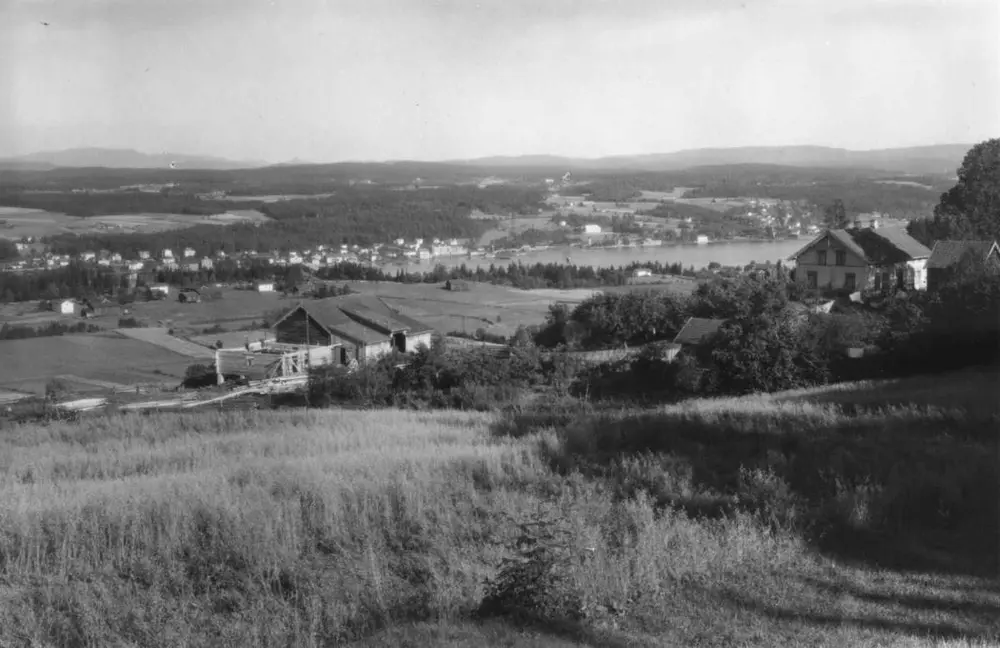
[
  {"x": 876, "y": 620},
  {"x": 895, "y": 488}
]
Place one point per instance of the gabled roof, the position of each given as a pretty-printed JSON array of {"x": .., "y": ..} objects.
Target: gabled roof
[
  {"x": 359, "y": 319},
  {"x": 947, "y": 253},
  {"x": 696, "y": 329},
  {"x": 882, "y": 246}
]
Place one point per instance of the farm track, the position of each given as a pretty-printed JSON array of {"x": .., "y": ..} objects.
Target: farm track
[{"x": 161, "y": 338}]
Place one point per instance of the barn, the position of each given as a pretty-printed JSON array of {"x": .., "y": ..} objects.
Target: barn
[{"x": 364, "y": 328}]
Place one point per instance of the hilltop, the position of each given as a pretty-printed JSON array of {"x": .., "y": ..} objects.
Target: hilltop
[
  {"x": 942, "y": 158},
  {"x": 934, "y": 159},
  {"x": 119, "y": 159},
  {"x": 856, "y": 514}
]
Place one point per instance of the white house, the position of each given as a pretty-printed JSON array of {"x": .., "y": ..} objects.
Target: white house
[
  {"x": 67, "y": 307},
  {"x": 264, "y": 286},
  {"x": 188, "y": 252},
  {"x": 207, "y": 263},
  {"x": 591, "y": 228},
  {"x": 88, "y": 256},
  {"x": 143, "y": 254},
  {"x": 642, "y": 272},
  {"x": 702, "y": 239},
  {"x": 162, "y": 288},
  {"x": 167, "y": 254}
]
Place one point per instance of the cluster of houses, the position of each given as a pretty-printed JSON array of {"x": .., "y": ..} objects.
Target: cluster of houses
[{"x": 189, "y": 260}]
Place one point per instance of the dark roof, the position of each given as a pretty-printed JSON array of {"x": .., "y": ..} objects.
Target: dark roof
[
  {"x": 360, "y": 319},
  {"x": 882, "y": 246},
  {"x": 948, "y": 253},
  {"x": 696, "y": 329},
  {"x": 372, "y": 311}
]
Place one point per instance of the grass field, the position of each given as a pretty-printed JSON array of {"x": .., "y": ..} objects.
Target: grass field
[
  {"x": 680, "y": 526},
  {"x": 28, "y": 364},
  {"x": 16, "y": 222}
]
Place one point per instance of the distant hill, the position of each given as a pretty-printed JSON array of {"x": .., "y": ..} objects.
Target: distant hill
[
  {"x": 119, "y": 159},
  {"x": 944, "y": 158}
]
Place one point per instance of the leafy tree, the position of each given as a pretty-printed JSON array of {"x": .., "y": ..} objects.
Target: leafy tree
[
  {"x": 835, "y": 215},
  {"x": 970, "y": 209}
]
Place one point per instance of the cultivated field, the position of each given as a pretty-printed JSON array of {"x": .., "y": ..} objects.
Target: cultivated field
[
  {"x": 16, "y": 222},
  {"x": 235, "y": 309},
  {"x": 27, "y": 365},
  {"x": 519, "y": 225},
  {"x": 498, "y": 309},
  {"x": 681, "y": 526}
]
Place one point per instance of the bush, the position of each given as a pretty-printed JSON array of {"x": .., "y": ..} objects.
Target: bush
[{"x": 197, "y": 376}]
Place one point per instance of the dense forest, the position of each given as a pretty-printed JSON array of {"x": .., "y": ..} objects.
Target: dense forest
[
  {"x": 125, "y": 202},
  {"x": 361, "y": 216}
]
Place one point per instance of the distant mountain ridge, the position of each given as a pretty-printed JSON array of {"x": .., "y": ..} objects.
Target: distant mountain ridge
[
  {"x": 120, "y": 159},
  {"x": 941, "y": 158},
  {"x": 934, "y": 159}
]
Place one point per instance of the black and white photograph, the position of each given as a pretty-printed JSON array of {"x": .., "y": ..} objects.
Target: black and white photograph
[{"x": 499, "y": 323}]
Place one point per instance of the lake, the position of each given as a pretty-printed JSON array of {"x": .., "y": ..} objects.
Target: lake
[{"x": 699, "y": 256}]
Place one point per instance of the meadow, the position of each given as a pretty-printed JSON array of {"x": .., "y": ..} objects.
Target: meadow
[
  {"x": 27, "y": 365},
  {"x": 16, "y": 222},
  {"x": 861, "y": 515}
]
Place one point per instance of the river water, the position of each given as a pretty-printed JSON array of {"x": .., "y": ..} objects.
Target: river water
[{"x": 699, "y": 256}]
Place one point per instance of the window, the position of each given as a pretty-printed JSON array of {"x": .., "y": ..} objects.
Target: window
[
  {"x": 812, "y": 279},
  {"x": 841, "y": 257},
  {"x": 822, "y": 257},
  {"x": 850, "y": 281}
]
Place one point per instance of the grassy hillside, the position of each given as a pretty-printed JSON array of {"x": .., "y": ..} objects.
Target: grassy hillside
[{"x": 863, "y": 514}]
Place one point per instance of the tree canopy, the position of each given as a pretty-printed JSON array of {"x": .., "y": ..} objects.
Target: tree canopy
[{"x": 970, "y": 209}]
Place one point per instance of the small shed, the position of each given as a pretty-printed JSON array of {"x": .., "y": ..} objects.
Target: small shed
[
  {"x": 264, "y": 286},
  {"x": 697, "y": 329},
  {"x": 457, "y": 285},
  {"x": 68, "y": 307},
  {"x": 189, "y": 296}
]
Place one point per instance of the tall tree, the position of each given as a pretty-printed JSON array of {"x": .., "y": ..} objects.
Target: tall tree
[
  {"x": 835, "y": 215},
  {"x": 970, "y": 209}
]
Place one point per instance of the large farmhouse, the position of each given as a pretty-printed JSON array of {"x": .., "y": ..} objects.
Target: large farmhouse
[
  {"x": 871, "y": 259},
  {"x": 362, "y": 328}
]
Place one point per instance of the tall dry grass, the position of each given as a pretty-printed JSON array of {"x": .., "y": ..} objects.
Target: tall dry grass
[
  {"x": 307, "y": 527},
  {"x": 312, "y": 528}
]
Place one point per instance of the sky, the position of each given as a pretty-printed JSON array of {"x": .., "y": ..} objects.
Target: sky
[{"x": 333, "y": 80}]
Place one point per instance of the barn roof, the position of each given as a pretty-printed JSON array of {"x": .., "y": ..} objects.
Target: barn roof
[
  {"x": 882, "y": 246},
  {"x": 696, "y": 329},
  {"x": 359, "y": 319},
  {"x": 947, "y": 253}
]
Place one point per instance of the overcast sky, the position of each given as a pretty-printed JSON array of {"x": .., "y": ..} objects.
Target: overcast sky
[{"x": 327, "y": 80}]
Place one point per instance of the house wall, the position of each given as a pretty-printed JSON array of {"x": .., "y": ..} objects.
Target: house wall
[
  {"x": 413, "y": 342},
  {"x": 298, "y": 328},
  {"x": 919, "y": 268},
  {"x": 830, "y": 275},
  {"x": 371, "y": 352}
]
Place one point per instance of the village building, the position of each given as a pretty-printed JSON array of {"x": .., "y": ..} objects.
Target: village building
[
  {"x": 264, "y": 286},
  {"x": 591, "y": 228},
  {"x": 189, "y": 252},
  {"x": 189, "y": 296},
  {"x": 161, "y": 288},
  {"x": 68, "y": 307},
  {"x": 694, "y": 333},
  {"x": 362, "y": 328},
  {"x": 873, "y": 259},
  {"x": 206, "y": 263},
  {"x": 948, "y": 255}
]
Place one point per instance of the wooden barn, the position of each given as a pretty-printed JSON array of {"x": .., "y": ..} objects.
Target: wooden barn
[{"x": 363, "y": 328}]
